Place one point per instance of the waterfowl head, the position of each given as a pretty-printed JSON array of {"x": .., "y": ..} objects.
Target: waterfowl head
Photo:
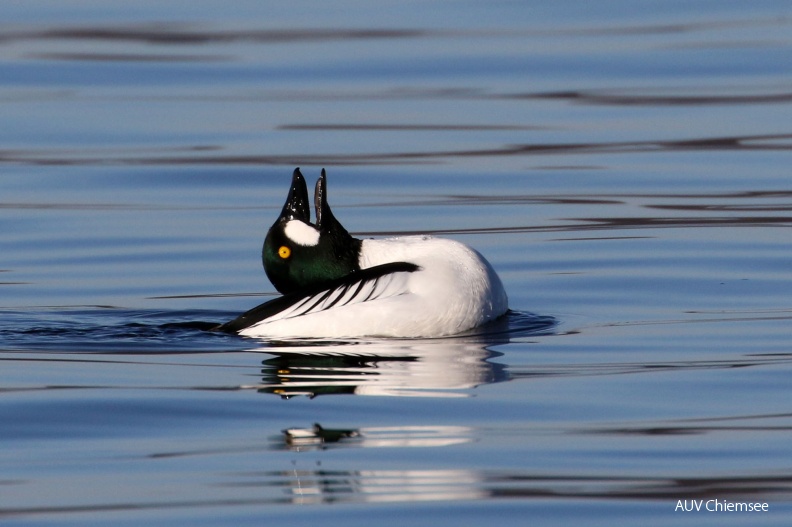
[{"x": 299, "y": 254}]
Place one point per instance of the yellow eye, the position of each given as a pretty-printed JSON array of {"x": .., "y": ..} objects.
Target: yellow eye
[{"x": 284, "y": 252}]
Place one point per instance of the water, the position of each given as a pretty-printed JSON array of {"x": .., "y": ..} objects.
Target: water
[{"x": 625, "y": 168}]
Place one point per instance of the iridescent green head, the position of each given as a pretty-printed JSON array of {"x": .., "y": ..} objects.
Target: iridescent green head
[{"x": 298, "y": 254}]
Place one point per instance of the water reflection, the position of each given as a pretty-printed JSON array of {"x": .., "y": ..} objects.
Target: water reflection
[
  {"x": 318, "y": 437},
  {"x": 429, "y": 369},
  {"x": 373, "y": 486},
  {"x": 444, "y": 367},
  {"x": 317, "y": 485},
  {"x": 309, "y": 482}
]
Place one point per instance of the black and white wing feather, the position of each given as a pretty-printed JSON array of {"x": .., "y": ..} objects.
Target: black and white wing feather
[{"x": 366, "y": 285}]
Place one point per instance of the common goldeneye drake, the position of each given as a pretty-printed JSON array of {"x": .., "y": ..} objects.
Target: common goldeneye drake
[{"x": 335, "y": 285}]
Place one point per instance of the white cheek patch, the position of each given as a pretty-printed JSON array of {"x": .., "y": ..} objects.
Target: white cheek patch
[{"x": 301, "y": 233}]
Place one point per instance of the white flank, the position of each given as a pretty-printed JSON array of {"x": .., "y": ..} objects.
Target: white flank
[
  {"x": 301, "y": 233},
  {"x": 455, "y": 289}
]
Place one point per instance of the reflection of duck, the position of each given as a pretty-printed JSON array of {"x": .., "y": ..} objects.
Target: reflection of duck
[
  {"x": 313, "y": 486},
  {"x": 416, "y": 367},
  {"x": 335, "y": 285},
  {"x": 318, "y": 436},
  {"x": 321, "y": 486}
]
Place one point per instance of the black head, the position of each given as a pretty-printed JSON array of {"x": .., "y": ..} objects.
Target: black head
[{"x": 299, "y": 254}]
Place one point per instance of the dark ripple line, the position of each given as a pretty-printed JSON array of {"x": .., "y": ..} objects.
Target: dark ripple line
[
  {"x": 612, "y": 99},
  {"x": 128, "y": 57},
  {"x": 467, "y": 199},
  {"x": 598, "y": 370},
  {"x": 763, "y": 142},
  {"x": 408, "y": 127},
  {"x": 723, "y": 208},
  {"x": 682, "y": 430},
  {"x": 135, "y": 506},
  {"x": 180, "y": 33}
]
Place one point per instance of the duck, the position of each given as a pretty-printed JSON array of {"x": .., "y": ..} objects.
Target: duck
[{"x": 334, "y": 285}]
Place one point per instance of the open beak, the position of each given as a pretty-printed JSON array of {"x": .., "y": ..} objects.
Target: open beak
[
  {"x": 320, "y": 199},
  {"x": 297, "y": 206},
  {"x": 325, "y": 221}
]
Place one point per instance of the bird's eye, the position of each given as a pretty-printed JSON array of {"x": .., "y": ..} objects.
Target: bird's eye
[{"x": 284, "y": 252}]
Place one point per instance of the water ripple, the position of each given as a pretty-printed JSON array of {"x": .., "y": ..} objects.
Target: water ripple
[{"x": 198, "y": 156}]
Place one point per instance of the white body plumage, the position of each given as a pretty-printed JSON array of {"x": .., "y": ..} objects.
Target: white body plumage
[{"x": 454, "y": 289}]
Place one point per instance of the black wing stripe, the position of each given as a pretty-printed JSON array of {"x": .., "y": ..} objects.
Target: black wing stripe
[
  {"x": 322, "y": 298},
  {"x": 303, "y": 302},
  {"x": 359, "y": 288},
  {"x": 332, "y": 297},
  {"x": 298, "y": 305},
  {"x": 295, "y": 309},
  {"x": 373, "y": 289},
  {"x": 346, "y": 298},
  {"x": 317, "y": 306},
  {"x": 343, "y": 291},
  {"x": 312, "y": 304}
]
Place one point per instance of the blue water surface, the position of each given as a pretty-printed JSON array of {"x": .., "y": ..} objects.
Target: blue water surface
[{"x": 624, "y": 166}]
